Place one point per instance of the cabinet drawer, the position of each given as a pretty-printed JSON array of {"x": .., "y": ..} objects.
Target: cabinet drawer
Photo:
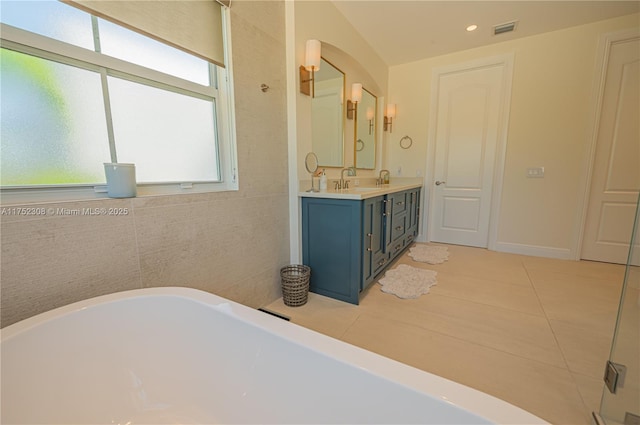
[
  {"x": 398, "y": 203},
  {"x": 408, "y": 240},
  {"x": 396, "y": 247},
  {"x": 379, "y": 264},
  {"x": 398, "y": 226}
]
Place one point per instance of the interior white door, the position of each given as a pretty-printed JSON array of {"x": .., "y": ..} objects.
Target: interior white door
[
  {"x": 468, "y": 126},
  {"x": 616, "y": 170}
]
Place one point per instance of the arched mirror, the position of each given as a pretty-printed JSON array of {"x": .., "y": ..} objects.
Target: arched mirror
[
  {"x": 327, "y": 115},
  {"x": 365, "y": 132}
]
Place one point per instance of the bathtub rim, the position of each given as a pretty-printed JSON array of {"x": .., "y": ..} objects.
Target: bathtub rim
[{"x": 459, "y": 395}]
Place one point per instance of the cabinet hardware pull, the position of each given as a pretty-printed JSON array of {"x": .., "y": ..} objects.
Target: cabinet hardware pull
[
  {"x": 398, "y": 247},
  {"x": 370, "y": 249},
  {"x": 410, "y": 237},
  {"x": 399, "y": 228},
  {"x": 400, "y": 203},
  {"x": 381, "y": 262}
]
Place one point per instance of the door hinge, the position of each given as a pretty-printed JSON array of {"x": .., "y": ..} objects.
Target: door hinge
[{"x": 614, "y": 374}]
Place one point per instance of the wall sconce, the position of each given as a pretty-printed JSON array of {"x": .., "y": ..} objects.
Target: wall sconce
[
  {"x": 311, "y": 65},
  {"x": 370, "y": 118},
  {"x": 389, "y": 116},
  {"x": 356, "y": 97}
]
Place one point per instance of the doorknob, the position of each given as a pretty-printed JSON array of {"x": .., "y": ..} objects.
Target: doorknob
[{"x": 438, "y": 182}]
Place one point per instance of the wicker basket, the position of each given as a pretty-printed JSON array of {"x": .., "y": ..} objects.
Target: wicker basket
[{"x": 295, "y": 284}]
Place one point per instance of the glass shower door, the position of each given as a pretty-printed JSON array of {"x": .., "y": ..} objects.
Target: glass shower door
[{"x": 621, "y": 395}]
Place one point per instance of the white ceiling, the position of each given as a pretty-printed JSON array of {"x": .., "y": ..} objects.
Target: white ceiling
[{"x": 405, "y": 31}]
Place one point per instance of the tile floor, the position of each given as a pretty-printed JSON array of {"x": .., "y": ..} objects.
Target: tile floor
[{"x": 535, "y": 332}]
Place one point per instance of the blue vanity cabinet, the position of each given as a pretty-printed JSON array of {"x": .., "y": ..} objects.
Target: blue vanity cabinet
[
  {"x": 332, "y": 236},
  {"x": 348, "y": 243}
]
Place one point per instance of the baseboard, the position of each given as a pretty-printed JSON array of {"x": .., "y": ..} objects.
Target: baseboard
[
  {"x": 534, "y": 250},
  {"x": 596, "y": 419}
]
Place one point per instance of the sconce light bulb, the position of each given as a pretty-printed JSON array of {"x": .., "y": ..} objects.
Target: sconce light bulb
[
  {"x": 312, "y": 55},
  {"x": 391, "y": 110},
  {"x": 356, "y": 92},
  {"x": 369, "y": 113}
]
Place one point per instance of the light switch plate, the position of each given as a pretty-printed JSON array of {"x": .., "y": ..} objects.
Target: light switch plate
[{"x": 535, "y": 172}]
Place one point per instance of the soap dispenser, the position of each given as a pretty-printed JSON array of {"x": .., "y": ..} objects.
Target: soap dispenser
[{"x": 323, "y": 180}]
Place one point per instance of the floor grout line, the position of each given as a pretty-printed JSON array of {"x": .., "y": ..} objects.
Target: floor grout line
[
  {"x": 546, "y": 316},
  {"x": 555, "y": 337},
  {"x": 457, "y": 338},
  {"x": 512, "y": 310},
  {"x": 353, "y": 322}
]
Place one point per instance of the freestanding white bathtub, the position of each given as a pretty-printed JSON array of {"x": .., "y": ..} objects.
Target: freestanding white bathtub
[{"x": 178, "y": 355}]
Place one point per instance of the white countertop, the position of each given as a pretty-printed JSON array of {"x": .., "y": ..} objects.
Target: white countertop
[{"x": 360, "y": 192}]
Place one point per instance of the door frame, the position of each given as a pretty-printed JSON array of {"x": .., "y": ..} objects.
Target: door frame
[
  {"x": 602, "y": 63},
  {"x": 506, "y": 61}
]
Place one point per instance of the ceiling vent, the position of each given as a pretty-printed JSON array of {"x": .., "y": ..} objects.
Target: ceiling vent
[{"x": 506, "y": 27}]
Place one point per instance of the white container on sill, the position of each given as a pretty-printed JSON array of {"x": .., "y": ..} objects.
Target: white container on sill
[{"x": 121, "y": 180}]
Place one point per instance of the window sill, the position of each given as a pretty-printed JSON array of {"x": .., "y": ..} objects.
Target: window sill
[{"x": 27, "y": 196}]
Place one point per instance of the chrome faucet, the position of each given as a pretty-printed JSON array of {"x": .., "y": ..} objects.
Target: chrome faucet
[
  {"x": 380, "y": 180},
  {"x": 343, "y": 184}
]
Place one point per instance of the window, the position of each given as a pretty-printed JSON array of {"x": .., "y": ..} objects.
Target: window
[{"x": 79, "y": 91}]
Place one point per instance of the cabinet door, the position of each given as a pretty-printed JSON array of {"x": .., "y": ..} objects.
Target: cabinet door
[
  {"x": 367, "y": 242},
  {"x": 332, "y": 246},
  {"x": 387, "y": 216},
  {"x": 380, "y": 254},
  {"x": 374, "y": 240},
  {"x": 413, "y": 211},
  {"x": 416, "y": 208}
]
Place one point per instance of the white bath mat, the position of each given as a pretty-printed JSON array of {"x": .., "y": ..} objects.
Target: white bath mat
[
  {"x": 407, "y": 282},
  {"x": 429, "y": 254}
]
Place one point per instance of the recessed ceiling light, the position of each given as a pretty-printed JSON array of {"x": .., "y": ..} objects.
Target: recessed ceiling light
[{"x": 472, "y": 28}]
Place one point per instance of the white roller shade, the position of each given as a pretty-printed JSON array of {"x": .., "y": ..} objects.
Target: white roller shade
[{"x": 194, "y": 26}]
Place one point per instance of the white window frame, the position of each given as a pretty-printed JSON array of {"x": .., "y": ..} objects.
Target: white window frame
[{"x": 223, "y": 96}]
